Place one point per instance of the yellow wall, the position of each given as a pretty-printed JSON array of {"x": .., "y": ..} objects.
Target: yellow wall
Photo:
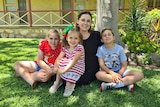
[
  {"x": 1, "y": 9},
  {"x": 54, "y": 5},
  {"x": 1, "y": 5},
  {"x": 44, "y": 5},
  {"x": 91, "y": 4}
]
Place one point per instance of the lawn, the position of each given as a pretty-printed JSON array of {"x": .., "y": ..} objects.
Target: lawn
[{"x": 15, "y": 92}]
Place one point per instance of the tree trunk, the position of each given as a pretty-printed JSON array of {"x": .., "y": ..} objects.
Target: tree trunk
[{"x": 107, "y": 17}]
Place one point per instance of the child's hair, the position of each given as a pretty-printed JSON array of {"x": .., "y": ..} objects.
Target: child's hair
[
  {"x": 53, "y": 31},
  {"x": 105, "y": 30},
  {"x": 65, "y": 42}
]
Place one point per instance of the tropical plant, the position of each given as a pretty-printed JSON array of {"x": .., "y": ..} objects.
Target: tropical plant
[
  {"x": 94, "y": 16},
  {"x": 134, "y": 19},
  {"x": 153, "y": 20},
  {"x": 133, "y": 33}
]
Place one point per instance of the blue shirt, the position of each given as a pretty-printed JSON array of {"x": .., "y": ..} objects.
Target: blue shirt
[{"x": 113, "y": 57}]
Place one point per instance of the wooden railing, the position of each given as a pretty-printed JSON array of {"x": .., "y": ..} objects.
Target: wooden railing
[
  {"x": 50, "y": 18},
  {"x": 38, "y": 18}
]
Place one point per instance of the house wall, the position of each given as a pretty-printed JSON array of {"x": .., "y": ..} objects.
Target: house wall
[
  {"x": 91, "y": 4},
  {"x": 1, "y": 5},
  {"x": 44, "y": 5},
  {"x": 1, "y": 9}
]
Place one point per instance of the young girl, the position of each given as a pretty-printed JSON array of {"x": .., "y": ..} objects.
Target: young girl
[
  {"x": 40, "y": 70},
  {"x": 70, "y": 63},
  {"x": 113, "y": 63}
]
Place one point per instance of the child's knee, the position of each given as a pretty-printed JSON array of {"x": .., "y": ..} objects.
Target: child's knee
[
  {"x": 98, "y": 75},
  {"x": 141, "y": 75},
  {"x": 16, "y": 65}
]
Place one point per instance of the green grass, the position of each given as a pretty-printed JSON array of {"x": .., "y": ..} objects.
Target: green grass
[{"x": 15, "y": 92}]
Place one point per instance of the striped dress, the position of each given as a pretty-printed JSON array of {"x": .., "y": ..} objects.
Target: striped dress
[{"x": 78, "y": 69}]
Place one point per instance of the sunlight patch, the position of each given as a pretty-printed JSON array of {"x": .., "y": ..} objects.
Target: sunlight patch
[
  {"x": 72, "y": 100},
  {"x": 5, "y": 76},
  {"x": 91, "y": 96}
]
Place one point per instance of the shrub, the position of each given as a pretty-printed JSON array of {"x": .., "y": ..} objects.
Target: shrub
[{"x": 138, "y": 43}]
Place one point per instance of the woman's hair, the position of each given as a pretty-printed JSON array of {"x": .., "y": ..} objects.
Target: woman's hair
[
  {"x": 105, "y": 30},
  {"x": 65, "y": 42},
  {"x": 79, "y": 16},
  {"x": 53, "y": 31}
]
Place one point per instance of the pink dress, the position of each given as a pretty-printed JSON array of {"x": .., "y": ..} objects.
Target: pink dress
[{"x": 77, "y": 70}]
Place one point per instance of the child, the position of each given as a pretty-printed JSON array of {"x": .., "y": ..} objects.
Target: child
[
  {"x": 40, "y": 70},
  {"x": 113, "y": 63},
  {"x": 70, "y": 63}
]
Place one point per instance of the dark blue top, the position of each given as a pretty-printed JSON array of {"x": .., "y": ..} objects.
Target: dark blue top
[{"x": 91, "y": 61}]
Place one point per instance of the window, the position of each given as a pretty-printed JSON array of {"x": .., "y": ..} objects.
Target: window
[
  {"x": 79, "y": 4},
  {"x": 10, "y": 1},
  {"x": 157, "y": 3},
  {"x": 150, "y": 3},
  {"x": 121, "y": 4},
  {"x": 79, "y": 0},
  {"x": 153, "y": 3}
]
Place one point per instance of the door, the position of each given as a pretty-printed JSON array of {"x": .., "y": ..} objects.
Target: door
[
  {"x": 66, "y": 5},
  {"x": 23, "y": 9}
]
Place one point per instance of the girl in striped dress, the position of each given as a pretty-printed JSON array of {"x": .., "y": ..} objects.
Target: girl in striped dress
[{"x": 70, "y": 63}]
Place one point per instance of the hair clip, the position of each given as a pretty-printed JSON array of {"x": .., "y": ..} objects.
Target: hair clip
[{"x": 65, "y": 31}]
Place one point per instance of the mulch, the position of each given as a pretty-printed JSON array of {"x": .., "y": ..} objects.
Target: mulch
[{"x": 152, "y": 66}]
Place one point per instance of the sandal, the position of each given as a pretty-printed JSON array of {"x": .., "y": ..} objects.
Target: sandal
[
  {"x": 54, "y": 87},
  {"x": 69, "y": 90}
]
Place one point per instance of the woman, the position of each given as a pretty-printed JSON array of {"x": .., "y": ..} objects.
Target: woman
[
  {"x": 41, "y": 69},
  {"x": 91, "y": 41}
]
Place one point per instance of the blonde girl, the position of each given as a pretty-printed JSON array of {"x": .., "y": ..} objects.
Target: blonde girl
[
  {"x": 70, "y": 63},
  {"x": 40, "y": 69}
]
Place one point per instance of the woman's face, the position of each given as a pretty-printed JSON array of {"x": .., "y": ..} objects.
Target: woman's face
[
  {"x": 84, "y": 22},
  {"x": 53, "y": 39}
]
